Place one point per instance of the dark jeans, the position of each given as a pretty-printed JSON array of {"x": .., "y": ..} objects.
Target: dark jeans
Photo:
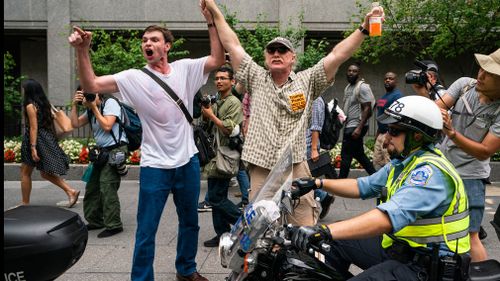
[
  {"x": 154, "y": 188},
  {"x": 369, "y": 255},
  {"x": 353, "y": 148},
  {"x": 224, "y": 211}
]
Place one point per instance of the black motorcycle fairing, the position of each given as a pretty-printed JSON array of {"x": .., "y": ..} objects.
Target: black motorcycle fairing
[{"x": 297, "y": 265}]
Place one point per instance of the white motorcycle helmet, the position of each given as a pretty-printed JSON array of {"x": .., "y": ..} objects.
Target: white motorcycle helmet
[{"x": 416, "y": 113}]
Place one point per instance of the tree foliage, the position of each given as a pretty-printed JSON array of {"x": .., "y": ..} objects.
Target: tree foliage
[
  {"x": 433, "y": 29},
  {"x": 114, "y": 51},
  {"x": 254, "y": 41},
  {"x": 11, "y": 87}
]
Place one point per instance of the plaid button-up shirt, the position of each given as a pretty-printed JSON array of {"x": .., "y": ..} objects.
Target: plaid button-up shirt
[{"x": 277, "y": 111}]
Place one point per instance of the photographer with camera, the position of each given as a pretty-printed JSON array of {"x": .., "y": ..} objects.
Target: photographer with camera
[
  {"x": 226, "y": 115},
  {"x": 425, "y": 81},
  {"x": 101, "y": 205}
]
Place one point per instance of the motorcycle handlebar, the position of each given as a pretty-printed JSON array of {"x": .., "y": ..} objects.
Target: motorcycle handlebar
[{"x": 318, "y": 246}]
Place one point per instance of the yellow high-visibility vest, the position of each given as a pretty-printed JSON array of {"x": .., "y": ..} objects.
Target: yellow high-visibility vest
[{"x": 451, "y": 228}]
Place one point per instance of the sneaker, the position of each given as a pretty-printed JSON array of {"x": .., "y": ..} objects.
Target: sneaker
[
  {"x": 242, "y": 205},
  {"x": 193, "y": 277},
  {"x": 109, "y": 232},
  {"x": 325, "y": 205},
  {"x": 214, "y": 242},
  {"x": 93, "y": 227},
  {"x": 204, "y": 207},
  {"x": 233, "y": 182},
  {"x": 482, "y": 233}
]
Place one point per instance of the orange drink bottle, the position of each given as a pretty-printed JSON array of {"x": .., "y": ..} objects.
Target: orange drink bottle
[{"x": 375, "y": 23}]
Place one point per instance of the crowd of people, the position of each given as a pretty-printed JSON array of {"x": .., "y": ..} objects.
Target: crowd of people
[{"x": 428, "y": 173}]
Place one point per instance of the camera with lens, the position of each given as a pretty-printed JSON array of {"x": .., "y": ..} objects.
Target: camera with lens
[
  {"x": 236, "y": 143},
  {"x": 90, "y": 97},
  {"x": 418, "y": 76},
  {"x": 208, "y": 100},
  {"x": 118, "y": 159}
]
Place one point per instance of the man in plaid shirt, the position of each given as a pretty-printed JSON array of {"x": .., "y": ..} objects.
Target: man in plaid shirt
[{"x": 279, "y": 99}]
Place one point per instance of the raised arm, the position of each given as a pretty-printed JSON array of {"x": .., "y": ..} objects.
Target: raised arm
[
  {"x": 227, "y": 36},
  {"x": 216, "y": 58},
  {"x": 80, "y": 40},
  {"x": 346, "y": 48}
]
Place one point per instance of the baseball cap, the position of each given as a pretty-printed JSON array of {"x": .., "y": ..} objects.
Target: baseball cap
[
  {"x": 431, "y": 65},
  {"x": 282, "y": 41},
  {"x": 490, "y": 63}
]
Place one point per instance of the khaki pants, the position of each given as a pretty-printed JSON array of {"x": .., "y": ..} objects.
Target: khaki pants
[
  {"x": 307, "y": 211},
  {"x": 380, "y": 154}
]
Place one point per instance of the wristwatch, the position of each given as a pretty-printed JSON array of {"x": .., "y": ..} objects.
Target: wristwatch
[{"x": 364, "y": 30}]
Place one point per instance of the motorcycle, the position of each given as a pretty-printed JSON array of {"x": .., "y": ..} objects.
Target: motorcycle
[{"x": 259, "y": 247}]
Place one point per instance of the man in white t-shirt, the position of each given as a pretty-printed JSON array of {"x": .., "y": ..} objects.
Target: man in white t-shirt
[{"x": 169, "y": 159}]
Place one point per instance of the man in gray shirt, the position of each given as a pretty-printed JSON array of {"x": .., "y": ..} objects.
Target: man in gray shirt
[
  {"x": 473, "y": 135},
  {"x": 358, "y": 104}
]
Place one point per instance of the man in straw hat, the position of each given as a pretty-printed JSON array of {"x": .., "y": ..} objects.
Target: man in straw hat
[
  {"x": 280, "y": 97},
  {"x": 472, "y": 129}
]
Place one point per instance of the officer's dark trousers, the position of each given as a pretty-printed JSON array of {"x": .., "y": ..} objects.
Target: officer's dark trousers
[{"x": 369, "y": 255}]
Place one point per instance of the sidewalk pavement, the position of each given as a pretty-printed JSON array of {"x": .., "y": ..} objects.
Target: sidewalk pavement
[{"x": 111, "y": 258}]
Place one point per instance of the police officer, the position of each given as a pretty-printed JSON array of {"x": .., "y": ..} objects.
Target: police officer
[{"x": 422, "y": 219}]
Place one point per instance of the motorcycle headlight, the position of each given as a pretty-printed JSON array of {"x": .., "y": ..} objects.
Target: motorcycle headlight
[{"x": 225, "y": 245}]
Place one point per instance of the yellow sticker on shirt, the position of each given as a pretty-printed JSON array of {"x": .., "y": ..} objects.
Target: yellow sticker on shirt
[{"x": 297, "y": 101}]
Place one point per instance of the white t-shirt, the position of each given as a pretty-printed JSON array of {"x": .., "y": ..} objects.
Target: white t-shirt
[{"x": 167, "y": 137}]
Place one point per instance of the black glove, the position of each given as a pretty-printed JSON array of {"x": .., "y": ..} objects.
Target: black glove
[
  {"x": 303, "y": 186},
  {"x": 305, "y": 235}
]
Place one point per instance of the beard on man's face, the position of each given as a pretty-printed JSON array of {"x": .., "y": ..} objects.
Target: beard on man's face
[
  {"x": 388, "y": 87},
  {"x": 352, "y": 79}
]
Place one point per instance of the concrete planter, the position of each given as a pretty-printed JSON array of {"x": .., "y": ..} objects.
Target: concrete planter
[{"x": 11, "y": 172}]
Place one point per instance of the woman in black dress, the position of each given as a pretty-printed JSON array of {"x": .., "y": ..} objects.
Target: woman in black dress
[{"x": 40, "y": 148}]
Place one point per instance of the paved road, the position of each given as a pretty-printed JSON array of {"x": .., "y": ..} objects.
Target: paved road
[{"x": 110, "y": 258}]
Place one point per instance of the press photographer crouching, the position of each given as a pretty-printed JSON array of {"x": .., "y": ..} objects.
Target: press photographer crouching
[
  {"x": 101, "y": 205},
  {"x": 425, "y": 81}
]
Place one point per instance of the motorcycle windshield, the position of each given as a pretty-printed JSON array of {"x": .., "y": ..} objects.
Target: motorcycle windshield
[{"x": 279, "y": 179}]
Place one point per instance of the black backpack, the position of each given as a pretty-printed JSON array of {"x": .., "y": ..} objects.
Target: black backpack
[
  {"x": 330, "y": 131},
  {"x": 131, "y": 124}
]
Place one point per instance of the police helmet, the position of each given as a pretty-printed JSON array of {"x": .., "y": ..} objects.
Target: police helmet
[{"x": 416, "y": 113}]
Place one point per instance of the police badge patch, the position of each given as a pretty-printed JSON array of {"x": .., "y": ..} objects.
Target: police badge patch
[{"x": 420, "y": 176}]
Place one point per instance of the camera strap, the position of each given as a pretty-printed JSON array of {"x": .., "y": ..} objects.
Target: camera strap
[{"x": 170, "y": 93}]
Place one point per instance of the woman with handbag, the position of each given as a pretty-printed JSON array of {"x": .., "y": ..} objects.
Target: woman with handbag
[{"x": 40, "y": 148}]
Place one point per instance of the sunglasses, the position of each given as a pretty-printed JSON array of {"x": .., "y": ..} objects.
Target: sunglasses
[
  {"x": 281, "y": 49},
  {"x": 394, "y": 132}
]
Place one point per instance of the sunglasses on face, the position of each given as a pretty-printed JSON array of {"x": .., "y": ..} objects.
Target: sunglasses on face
[
  {"x": 281, "y": 49},
  {"x": 394, "y": 132}
]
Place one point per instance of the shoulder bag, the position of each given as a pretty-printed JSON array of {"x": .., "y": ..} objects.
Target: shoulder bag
[
  {"x": 227, "y": 161},
  {"x": 62, "y": 123}
]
